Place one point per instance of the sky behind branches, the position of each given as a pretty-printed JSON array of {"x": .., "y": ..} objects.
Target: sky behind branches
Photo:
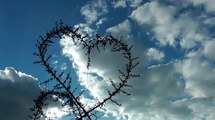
[{"x": 174, "y": 41}]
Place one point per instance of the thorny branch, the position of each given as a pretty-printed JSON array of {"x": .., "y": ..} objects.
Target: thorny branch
[{"x": 62, "y": 89}]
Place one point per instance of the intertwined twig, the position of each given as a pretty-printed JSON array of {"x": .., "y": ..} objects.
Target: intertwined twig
[{"x": 62, "y": 89}]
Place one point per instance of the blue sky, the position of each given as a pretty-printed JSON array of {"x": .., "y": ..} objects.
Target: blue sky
[
  {"x": 23, "y": 21},
  {"x": 174, "y": 41}
]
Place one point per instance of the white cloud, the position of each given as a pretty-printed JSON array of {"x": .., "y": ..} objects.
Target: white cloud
[
  {"x": 209, "y": 21},
  {"x": 121, "y": 30},
  {"x": 135, "y": 3},
  {"x": 199, "y": 76},
  {"x": 125, "y": 3},
  {"x": 208, "y": 4},
  {"x": 167, "y": 29},
  {"x": 84, "y": 29},
  {"x": 94, "y": 10},
  {"x": 180, "y": 89},
  {"x": 151, "y": 88},
  {"x": 119, "y": 3},
  {"x": 17, "y": 92},
  {"x": 100, "y": 22},
  {"x": 158, "y": 85},
  {"x": 172, "y": 91},
  {"x": 155, "y": 54},
  {"x": 56, "y": 112},
  {"x": 209, "y": 48},
  {"x": 63, "y": 66}
]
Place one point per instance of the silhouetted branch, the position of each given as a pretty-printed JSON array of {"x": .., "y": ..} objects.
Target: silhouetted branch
[{"x": 62, "y": 88}]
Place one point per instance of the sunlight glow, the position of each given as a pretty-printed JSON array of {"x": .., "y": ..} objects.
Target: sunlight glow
[{"x": 55, "y": 113}]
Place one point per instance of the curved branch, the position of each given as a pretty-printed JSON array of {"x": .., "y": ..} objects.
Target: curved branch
[{"x": 117, "y": 46}]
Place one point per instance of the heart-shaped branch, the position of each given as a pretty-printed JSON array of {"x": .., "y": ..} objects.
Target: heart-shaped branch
[{"x": 62, "y": 88}]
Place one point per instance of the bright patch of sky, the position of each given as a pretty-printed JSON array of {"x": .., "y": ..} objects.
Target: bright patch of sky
[{"x": 174, "y": 41}]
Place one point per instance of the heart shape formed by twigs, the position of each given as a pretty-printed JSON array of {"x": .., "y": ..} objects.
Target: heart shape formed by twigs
[{"x": 62, "y": 89}]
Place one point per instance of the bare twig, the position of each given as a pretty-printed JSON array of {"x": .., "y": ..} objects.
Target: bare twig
[{"x": 79, "y": 111}]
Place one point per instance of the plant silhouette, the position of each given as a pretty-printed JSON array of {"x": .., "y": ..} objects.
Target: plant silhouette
[{"x": 62, "y": 89}]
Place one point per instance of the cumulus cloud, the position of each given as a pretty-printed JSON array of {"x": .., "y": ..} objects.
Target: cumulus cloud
[
  {"x": 119, "y": 3},
  {"x": 208, "y": 4},
  {"x": 199, "y": 76},
  {"x": 125, "y": 3},
  {"x": 181, "y": 88},
  {"x": 121, "y": 30},
  {"x": 167, "y": 29},
  {"x": 17, "y": 92},
  {"x": 172, "y": 91},
  {"x": 209, "y": 48},
  {"x": 94, "y": 10},
  {"x": 151, "y": 88},
  {"x": 209, "y": 21},
  {"x": 85, "y": 29},
  {"x": 55, "y": 111},
  {"x": 178, "y": 89},
  {"x": 154, "y": 54}
]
